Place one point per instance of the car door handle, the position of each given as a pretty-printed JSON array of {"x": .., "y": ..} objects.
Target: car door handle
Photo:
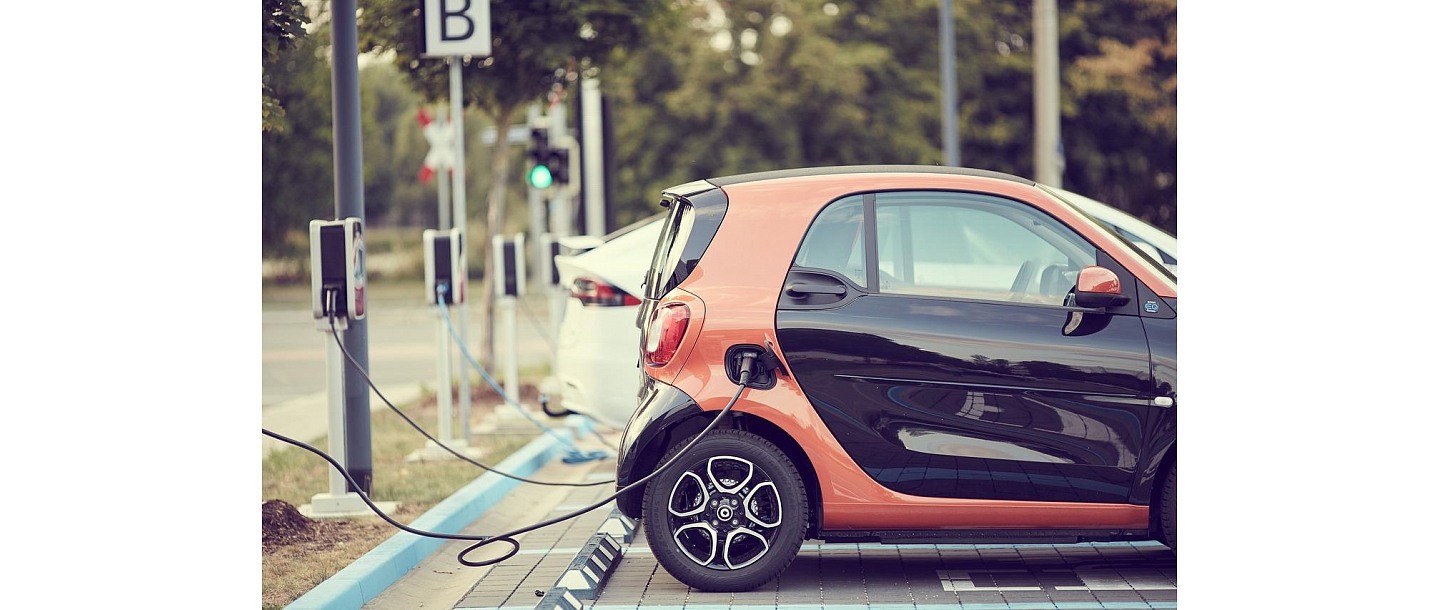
[{"x": 799, "y": 289}]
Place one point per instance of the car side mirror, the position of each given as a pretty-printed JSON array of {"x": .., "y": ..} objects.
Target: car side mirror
[{"x": 1098, "y": 288}]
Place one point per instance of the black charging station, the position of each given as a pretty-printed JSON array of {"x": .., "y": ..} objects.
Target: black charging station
[
  {"x": 550, "y": 248},
  {"x": 444, "y": 265},
  {"x": 337, "y": 263},
  {"x": 509, "y": 265}
]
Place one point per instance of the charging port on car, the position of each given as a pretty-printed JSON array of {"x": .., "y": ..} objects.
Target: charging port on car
[{"x": 762, "y": 379}]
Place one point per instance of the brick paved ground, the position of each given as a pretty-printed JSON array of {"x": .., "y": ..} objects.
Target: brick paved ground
[{"x": 914, "y": 576}]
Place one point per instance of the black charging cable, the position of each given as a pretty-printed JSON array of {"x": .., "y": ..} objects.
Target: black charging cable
[
  {"x": 747, "y": 361},
  {"x": 353, "y": 363}
]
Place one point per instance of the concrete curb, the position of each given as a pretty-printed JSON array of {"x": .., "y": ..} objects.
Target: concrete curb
[
  {"x": 619, "y": 526},
  {"x": 591, "y": 566},
  {"x": 375, "y": 571}
]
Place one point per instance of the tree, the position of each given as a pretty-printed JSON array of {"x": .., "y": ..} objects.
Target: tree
[
  {"x": 749, "y": 85},
  {"x": 282, "y": 25},
  {"x": 297, "y": 162},
  {"x": 538, "y": 48}
]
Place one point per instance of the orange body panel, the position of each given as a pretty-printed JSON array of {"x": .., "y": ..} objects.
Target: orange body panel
[
  {"x": 1097, "y": 279},
  {"x": 741, "y": 276}
]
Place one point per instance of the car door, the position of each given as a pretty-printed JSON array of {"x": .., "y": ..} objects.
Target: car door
[{"x": 931, "y": 333}]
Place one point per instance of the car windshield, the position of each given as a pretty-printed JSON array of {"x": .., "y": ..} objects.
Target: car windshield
[{"x": 1140, "y": 253}]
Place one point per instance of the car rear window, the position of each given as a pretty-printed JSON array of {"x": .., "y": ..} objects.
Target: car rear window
[
  {"x": 694, "y": 218},
  {"x": 673, "y": 236}
]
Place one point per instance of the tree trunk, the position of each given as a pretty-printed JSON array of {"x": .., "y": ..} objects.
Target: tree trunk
[{"x": 494, "y": 225}]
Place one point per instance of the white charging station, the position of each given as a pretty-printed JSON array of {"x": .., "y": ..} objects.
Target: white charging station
[
  {"x": 508, "y": 269},
  {"x": 337, "y": 292},
  {"x": 445, "y": 266},
  {"x": 555, "y": 293},
  {"x": 337, "y": 265}
]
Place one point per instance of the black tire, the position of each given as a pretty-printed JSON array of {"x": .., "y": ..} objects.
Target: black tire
[
  {"x": 1167, "y": 509},
  {"x": 743, "y": 552}
]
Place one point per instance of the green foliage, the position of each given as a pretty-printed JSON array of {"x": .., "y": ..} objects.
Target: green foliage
[
  {"x": 750, "y": 85},
  {"x": 531, "y": 41},
  {"x": 693, "y": 95},
  {"x": 297, "y": 164},
  {"x": 282, "y": 24}
]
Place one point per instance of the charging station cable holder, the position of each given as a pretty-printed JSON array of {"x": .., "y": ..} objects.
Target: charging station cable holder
[{"x": 337, "y": 292}]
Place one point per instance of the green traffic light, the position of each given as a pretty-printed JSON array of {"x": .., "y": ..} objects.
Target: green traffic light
[{"x": 540, "y": 177}]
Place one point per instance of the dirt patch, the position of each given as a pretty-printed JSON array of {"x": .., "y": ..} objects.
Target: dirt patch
[{"x": 281, "y": 524}]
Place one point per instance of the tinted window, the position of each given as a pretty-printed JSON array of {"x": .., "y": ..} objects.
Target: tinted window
[
  {"x": 976, "y": 247},
  {"x": 667, "y": 250},
  {"x": 836, "y": 240}
]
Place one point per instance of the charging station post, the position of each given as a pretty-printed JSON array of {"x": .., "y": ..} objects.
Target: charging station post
[
  {"x": 445, "y": 286},
  {"x": 549, "y": 249},
  {"x": 508, "y": 265},
  {"x": 511, "y": 273},
  {"x": 337, "y": 295}
]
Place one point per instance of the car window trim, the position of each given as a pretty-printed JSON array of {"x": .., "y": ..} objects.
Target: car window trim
[{"x": 872, "y": 246}]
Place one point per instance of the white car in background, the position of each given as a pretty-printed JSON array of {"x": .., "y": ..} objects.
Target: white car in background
[
  {"x": 597, "y": 358},
  {"x": 598, "y": 352},
  {"x": 1161, "y": 246}
]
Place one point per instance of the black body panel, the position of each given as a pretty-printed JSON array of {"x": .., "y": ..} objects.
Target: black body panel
[
  {"x": 1161, "y": 427},
  {"x": 974, "y": 399},
  {"x": 654, "y": 423}
]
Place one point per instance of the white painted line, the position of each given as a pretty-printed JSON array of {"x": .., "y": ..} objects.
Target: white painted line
[{"x": 962, "y": 581}]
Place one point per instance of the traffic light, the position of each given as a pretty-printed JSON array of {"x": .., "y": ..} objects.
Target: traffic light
[
  {"x": 551, "y": 164},
  {"x": 541, "y": 175}
]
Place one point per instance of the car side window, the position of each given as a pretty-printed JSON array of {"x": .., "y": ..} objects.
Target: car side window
[
  {"x": 971, "y": 246},
  {"x": 836, "y": 240}
]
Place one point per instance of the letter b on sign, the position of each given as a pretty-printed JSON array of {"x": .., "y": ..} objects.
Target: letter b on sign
[{"x": 456, "y": 27}]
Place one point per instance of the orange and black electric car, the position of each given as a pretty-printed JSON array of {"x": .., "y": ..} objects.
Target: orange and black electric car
[{"x": 929, "y": 355}]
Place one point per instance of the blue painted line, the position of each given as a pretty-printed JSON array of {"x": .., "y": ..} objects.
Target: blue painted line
[{"x": 375, "y": 571}]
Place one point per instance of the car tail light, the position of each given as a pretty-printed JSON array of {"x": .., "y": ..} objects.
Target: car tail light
[
  {"x": 591, "y": 291},
  {"x": 667, "y": 328}
]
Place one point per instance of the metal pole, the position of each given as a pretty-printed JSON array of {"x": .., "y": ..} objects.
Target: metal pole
[
  {"x": 512, "y": 352},
  {"x": 442, "y": 365},
  {"x": 335, "y": 384},
  {"x": 443, "y": 186},
  {"x": 457, "y": 112},
  {"x": 949, "y": 103},
  {"x": 561, "y": 218},
  {"x": 594, "y": 144},
  {"x": 1047, "y": 94},
  {"x": 534, "y": 197},
  {"x": 350, "y": 202}
]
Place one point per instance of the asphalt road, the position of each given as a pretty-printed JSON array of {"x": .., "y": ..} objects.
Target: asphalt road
[{"x": 402, "y": 333}]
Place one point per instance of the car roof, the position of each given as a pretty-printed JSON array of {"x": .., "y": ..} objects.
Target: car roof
[{"x": 862, "y": 169}]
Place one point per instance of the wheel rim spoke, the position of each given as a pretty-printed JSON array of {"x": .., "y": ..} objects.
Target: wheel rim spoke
[
  {"x": 718, "y": 483},
  {"x": 758, "y": 503},
  {"x": 699, "y": 484},
  {"x": 684, "y": 532},
  {"x": 744, "y": 534}
]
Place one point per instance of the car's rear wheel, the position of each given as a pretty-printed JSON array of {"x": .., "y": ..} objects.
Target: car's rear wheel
[
  {"x": 1167, "y": 508},
  {"x": 729, "y": 516}
]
